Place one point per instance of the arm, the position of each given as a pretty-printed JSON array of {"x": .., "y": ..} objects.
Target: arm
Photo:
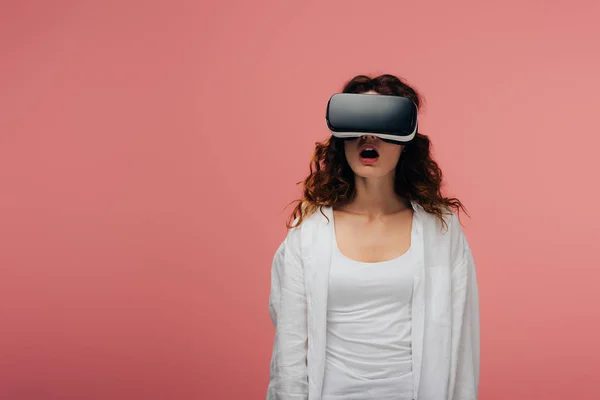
[
  {"x": 463, "y": 383},
  {"x": 287, "y": 308},
  {"x": 466, "y": 382}
]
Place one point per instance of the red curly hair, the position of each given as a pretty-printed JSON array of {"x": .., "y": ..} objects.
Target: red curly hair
[{"x": 418, "y": 176}]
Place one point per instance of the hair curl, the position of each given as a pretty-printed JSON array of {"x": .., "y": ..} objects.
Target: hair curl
[{"x": 418, "y": 176}]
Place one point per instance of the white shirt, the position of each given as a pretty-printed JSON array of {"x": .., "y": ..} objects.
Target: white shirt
[
  {"x": 368, "y": 345},
  {"x": 445, "y": 310}
]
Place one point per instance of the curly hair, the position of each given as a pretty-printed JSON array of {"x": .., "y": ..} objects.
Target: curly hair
[{"x": 418, "y": 177}]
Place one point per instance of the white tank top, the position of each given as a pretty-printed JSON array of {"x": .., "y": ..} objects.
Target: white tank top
[{"x": 369, "y": 352}]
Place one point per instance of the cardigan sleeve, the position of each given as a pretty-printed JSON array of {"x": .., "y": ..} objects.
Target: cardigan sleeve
[
  {"x": 464, "y": 384},
  {"x": 287, "y": 308}
]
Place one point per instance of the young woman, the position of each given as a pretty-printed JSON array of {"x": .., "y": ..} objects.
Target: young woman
[{"x": 374, "y": 291}]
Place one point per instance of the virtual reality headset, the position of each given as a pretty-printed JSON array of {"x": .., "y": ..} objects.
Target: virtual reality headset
[{"x": 391, "y": 118}]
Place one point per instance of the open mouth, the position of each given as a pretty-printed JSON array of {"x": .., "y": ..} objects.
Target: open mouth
[{"x": 369, "y": 154}]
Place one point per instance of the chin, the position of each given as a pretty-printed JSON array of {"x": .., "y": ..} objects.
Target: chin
[{"x": 370, "y": 171}]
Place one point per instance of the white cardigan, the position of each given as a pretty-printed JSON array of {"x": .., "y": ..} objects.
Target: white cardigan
[{"x": 445, "y": 311}]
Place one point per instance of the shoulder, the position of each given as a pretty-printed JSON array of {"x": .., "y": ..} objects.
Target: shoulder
[
  {"x": 433, "y": 225},
  {"x": 448, "y": 236},
  {"x": 302, "y": 236}
]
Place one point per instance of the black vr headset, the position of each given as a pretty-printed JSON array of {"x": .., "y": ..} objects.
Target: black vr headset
[{"x": 391, "y": 118}]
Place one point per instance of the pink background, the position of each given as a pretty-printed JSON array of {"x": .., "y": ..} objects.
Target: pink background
[{"x": 148, "y": 148}]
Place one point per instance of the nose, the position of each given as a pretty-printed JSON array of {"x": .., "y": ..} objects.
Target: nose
[{"x": 368, "y": 137}]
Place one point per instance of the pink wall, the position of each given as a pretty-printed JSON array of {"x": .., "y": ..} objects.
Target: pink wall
[{"x": 147, "y": 150}]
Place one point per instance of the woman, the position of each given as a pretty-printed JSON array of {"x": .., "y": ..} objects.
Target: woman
[{"x": 374, "y": 291}]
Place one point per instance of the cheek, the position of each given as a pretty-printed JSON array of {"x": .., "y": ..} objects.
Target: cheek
[
  {"x": 350, "y": 150},
  {"x": 391, "y": 154}
]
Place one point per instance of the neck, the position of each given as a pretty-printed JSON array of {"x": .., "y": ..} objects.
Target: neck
[{"x": 375, "y": 197}]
